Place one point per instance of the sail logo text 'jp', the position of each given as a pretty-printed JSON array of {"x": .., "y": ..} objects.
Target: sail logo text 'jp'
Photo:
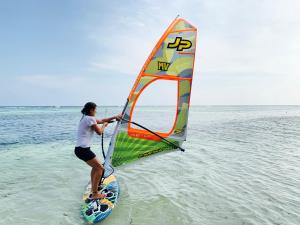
[{"x": 180, "y": 44}]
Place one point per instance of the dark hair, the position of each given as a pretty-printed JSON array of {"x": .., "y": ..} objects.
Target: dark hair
[{"x": 88, "y": 107}]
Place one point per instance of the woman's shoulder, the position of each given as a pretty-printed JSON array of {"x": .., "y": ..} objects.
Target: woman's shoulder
[{"x": 90, "y": 119}]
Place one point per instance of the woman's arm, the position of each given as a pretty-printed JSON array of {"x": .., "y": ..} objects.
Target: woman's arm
[
  {"x": 99, "y": 130},
  {"x": 106, "y": 120}
]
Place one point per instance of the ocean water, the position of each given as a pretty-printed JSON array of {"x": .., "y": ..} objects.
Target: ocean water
[{"x": 241, "y": 167}]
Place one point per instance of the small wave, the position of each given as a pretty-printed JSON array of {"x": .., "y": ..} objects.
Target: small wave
[{"x": 8, "y": 143}]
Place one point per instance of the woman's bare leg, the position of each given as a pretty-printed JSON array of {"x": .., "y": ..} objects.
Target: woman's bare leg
[
  {"x": 93, "y": 171},
  {"x": 96, "y": 174}
]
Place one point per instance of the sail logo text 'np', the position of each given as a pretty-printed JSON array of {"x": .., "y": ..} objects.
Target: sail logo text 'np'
[
  {"x": 164, "y": 66},
  {"x": 180, "y": 44}
]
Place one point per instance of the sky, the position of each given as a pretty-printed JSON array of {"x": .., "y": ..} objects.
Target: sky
[{"x": 73, "y": 51}]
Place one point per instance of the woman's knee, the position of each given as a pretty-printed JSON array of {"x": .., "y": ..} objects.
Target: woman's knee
[
  {"x": 94, "y": 163},
  {"x": 99, "y": 168}
]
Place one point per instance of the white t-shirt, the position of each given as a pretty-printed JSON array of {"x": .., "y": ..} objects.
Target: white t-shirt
[{"x": 85, "y": 131}]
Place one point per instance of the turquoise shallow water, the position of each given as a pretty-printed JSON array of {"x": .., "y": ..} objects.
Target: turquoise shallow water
[{"x": 241, "y": 167}]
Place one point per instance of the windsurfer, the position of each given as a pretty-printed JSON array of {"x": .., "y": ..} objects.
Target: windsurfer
[{"x": 86, "y": 128}]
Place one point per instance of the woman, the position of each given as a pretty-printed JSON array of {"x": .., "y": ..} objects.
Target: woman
[{"x": 86, "y": 128}]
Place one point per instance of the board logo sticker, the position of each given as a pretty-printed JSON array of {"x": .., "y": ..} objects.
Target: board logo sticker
[
  {"x": 164, "y": 66},
  {"x": 180, "y": 44}
]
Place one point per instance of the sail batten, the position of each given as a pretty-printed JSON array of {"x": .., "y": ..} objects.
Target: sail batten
[{"x": 172, "y": 59}]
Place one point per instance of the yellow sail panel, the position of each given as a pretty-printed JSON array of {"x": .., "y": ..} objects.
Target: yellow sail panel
[{"x": 175, "y": 53}]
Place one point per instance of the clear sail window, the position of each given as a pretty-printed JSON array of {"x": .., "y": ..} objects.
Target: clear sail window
[{"x": 156, "y": 106}]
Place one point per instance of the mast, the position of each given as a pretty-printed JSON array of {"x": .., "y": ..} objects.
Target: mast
[{"x": 108, "y": 169}]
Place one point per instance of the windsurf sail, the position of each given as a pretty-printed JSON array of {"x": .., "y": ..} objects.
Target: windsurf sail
[{"x": 172, "y": 59}]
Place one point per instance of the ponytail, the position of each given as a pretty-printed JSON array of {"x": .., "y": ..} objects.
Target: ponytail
[{"x": 87, "y": 108}]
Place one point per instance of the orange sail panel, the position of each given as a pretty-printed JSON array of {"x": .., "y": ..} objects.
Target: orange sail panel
[{"x": 171, "y": 59}]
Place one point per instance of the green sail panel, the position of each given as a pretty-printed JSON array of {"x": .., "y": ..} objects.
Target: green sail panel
[{"x": 128, "y": 149}]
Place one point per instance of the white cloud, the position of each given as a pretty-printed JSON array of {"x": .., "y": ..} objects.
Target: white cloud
[
  {"x": 253, "y": 46},
  {"x": 234, "y": 36}
]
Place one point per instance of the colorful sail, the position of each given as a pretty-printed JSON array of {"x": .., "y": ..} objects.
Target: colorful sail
[{"x": 172, "y": 59}]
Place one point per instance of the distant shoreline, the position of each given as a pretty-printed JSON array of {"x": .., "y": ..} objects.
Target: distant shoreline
[{"x": 65, "y": 106}]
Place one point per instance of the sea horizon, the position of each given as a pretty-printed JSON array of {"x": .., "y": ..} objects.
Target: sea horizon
[{"x": 152, "y": 105}]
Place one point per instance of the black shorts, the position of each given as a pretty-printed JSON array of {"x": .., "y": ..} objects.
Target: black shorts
[{"x": 84, "y": 154}]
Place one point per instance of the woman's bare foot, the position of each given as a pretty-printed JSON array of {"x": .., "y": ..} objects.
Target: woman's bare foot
[{"x": 98, "y": 195}]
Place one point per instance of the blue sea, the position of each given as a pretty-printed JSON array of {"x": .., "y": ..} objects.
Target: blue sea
[{"x": 241, "y": 167}]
